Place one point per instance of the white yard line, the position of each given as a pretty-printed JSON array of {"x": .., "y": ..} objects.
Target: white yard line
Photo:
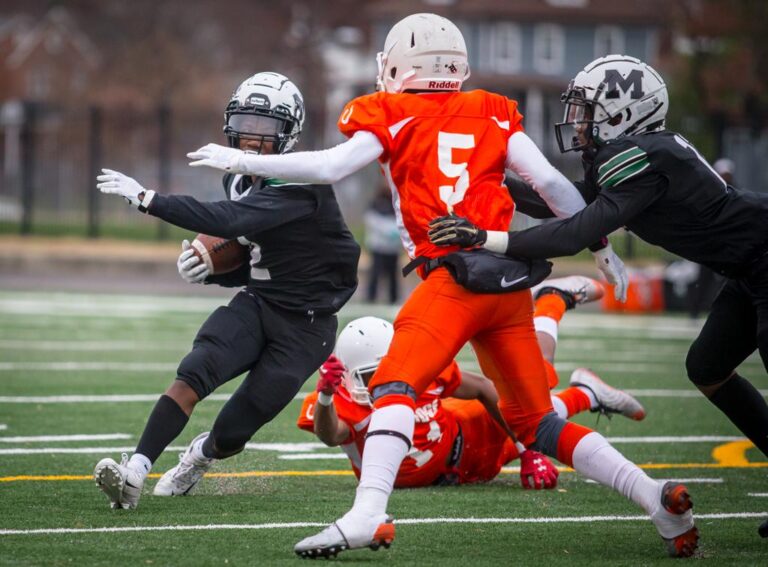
[
  {"x": 405, "y": 521},
  {"x": 312, "y": 456},
  {"x": 278, "y": 447},
  {"x": 758, "y": 494},
  {"x": 625, "y": 368},
  {"x": 88, "y": 345},
  {"x": 316, "y": 451},
  {"x": 131, "y": 398},
  {"x": 108, "y": 398},
  {"x": 90, "y": 366},
  {"x": 684, "y": 480},
  {"x": 55, "y": 438},
  {"x": 77, "y": 450},
  {"x": 680, "y": 439}
]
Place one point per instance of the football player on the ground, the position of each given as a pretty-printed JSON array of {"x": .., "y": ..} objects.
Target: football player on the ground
[
  {"x": 279, "y": 328},
  {"x": 652, "y": 181},
  {"x": 444, "y": 150},
  {"x": 455, "y": 440}
]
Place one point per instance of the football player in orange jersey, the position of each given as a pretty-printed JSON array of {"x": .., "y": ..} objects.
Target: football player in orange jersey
[
  {"x": 455, "y": 440},
  {"x": 442, "y": 151}
]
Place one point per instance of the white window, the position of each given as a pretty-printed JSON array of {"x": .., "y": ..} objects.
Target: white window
[
  {"x": 505, "y": 47},
  {"x": 38, "y": 82},
  {"x": 548, "y": 49},
  {"x": 500, "y": 47},
  {"x": 568, "y": 3},
  {"x": 608, "y": 40}
]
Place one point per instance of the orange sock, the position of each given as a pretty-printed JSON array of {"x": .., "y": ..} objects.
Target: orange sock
[
  {"x": 575, "y": 400},
  {"x": 550, "y": 305},
  {"x": 570, "y": 436}
]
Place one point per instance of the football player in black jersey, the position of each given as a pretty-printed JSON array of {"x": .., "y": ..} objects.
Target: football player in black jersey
[
  {"x": 652, "y": 181},
  {"x": 279, "y": 329}
]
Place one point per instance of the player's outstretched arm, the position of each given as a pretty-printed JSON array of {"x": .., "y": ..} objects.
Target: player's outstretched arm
[
  {"x": 327, "y": 425},
  {"x": 611, "y": 210},
  {"x": 321, "y": 167}
]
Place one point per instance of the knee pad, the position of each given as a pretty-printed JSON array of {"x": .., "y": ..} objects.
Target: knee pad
[
  {"x": 548, "y": 433},
  {"x": 702, "y": 370},
  {"x": 194, "y": 370},
  {"x": 394, "y": 389}
]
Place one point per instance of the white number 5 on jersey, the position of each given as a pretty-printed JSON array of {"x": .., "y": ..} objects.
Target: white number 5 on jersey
[{"x": 446, "y": 143}]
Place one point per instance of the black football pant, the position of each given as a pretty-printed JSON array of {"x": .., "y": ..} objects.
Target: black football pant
[
  {"x": 278, "y": 349},
  {"x": 735, "y": 328}
]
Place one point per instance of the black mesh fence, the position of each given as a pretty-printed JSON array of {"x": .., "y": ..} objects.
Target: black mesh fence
[{"x": 49, "y": 157}]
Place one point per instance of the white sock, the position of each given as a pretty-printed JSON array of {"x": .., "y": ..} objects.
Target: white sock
[
  {"x": 546, "y": 325},
  {"x": 597, "y": 460},
  {"x": 382, "y": 456},
  {"x": 559, "y": 406},
  {"x": 591, "y": 395},
  {"x": 197, "y": 452},
  {"x": 140, "y": 463}
]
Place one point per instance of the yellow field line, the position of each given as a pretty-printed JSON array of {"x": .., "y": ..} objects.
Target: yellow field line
[{"x": 248, "y": 474}]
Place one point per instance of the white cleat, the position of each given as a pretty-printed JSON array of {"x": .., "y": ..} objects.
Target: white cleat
[
  {"x": 121, "y": 484},
  {"x": 348, "y": 533},
  {"x": 609, "y": 399},
  {"x": 575, "y": 290},
  {"x": 674, "y": 520},
  {"x": 182, "y": 479}
]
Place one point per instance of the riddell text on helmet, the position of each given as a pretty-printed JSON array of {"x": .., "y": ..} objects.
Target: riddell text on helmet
[{"x": 444, "y": 84}]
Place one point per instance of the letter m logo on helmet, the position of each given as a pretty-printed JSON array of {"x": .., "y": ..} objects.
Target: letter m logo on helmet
[{"x": 631, "y": 84}]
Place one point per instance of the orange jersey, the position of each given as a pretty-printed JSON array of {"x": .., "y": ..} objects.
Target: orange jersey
[
  {"x": 441, "y": 150},
  {"x": 433, "y": 436}
]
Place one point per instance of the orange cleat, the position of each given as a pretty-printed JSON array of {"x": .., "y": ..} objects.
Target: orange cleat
[{"x": 674, "y": 520}]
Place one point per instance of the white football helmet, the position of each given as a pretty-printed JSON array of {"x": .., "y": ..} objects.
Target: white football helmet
[
  {"x": 360, "y": 347},
  {"x": 424, "y": 52},
  {"x": 266, "y": 107},
  {"x": 613, "y": 96}
]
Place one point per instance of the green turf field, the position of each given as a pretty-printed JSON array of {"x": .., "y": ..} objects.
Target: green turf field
[{"x": 62, "y": 355}]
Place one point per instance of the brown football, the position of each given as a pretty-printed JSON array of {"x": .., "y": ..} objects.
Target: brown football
[{"x": 219, "y": 254}]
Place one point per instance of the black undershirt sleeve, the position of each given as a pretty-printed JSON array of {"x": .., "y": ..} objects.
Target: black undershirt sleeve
[
  {"x": 529, "y": 202},
  {"x": 261, "y": 211},
  {"x": 612, "y": 209}
]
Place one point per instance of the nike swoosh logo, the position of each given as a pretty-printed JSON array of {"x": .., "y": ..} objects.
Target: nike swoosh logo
[{"x": 505, "y": 283}]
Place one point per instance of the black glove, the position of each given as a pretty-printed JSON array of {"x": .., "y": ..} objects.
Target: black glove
[{"x": 450, "y": 230}]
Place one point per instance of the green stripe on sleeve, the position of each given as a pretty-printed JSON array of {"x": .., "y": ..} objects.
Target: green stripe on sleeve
[
  {"x": 626, "y": 172},
  {"x": 618, "y": 159}
]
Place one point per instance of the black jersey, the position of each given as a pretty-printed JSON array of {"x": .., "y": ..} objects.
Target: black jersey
[
  {"x": 303, "y": 256},
  {"x": 658, "y": 186}
]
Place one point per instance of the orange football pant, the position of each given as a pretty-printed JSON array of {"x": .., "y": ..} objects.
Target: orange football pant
[
  {"x": 486, "y": 448},
  {"x": 440, "y": 317}
]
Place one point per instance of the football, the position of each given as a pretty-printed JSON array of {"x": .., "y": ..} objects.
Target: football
[{"x": 219, "y": 254}]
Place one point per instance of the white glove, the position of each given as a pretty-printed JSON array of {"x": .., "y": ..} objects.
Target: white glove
[
  {"x": 191, "y": 269},
  {"x": 219, "y": 157},
  {"x": 614, "y": 271},
  {"x": 127, "y": 187}
]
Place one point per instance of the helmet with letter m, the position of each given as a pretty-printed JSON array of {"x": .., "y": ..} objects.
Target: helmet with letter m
[
  {"x": 360, "y": 347},
  {"x": 423, "y": 52},
  {"x": 613, "y": 96}
]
